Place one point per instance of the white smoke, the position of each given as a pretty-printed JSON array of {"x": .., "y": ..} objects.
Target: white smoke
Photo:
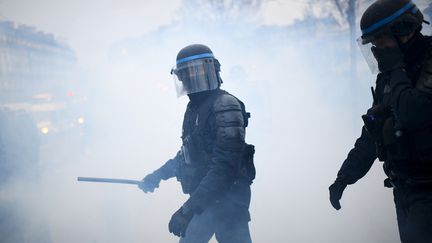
[{"x": 293, "y": 76}]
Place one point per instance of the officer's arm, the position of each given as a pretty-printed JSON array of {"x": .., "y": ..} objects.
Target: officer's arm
[
  {"x": 412, "y": 107},
  {"x": 170, "y": 168},
  {"x": 359, "y": 160},
  {"x": 226, "y": 156}
]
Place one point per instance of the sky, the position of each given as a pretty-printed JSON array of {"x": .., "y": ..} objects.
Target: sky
[
  {"x": 91, "y": 27},
  {"x": 293, "y": 77}
]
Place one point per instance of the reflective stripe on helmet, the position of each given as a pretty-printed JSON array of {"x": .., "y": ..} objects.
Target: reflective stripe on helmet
[
  {"x": 186, "y": 59},
  {"x": 390, "y": 18}
]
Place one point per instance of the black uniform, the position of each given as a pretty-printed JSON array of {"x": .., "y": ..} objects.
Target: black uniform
[
  {"x": 212, "y": 167},
  {"x": 398, "y": 130}
]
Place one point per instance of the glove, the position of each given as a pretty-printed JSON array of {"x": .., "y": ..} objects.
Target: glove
[
  {"x": 336, "y": 191},
  {"x": 150, "y": 182},
  {"x": 388, "y": 58},
  {"x": 180, "y": 221}
]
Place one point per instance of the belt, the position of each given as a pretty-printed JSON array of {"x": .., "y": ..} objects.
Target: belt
[{"x": 398, "y": 182}]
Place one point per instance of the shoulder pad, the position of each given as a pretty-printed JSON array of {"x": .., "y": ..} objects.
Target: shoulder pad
[{"x": 226, "y": 102}]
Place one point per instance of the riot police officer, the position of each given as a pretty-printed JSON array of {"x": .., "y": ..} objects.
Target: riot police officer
[
  {"x": 398, "y": 127},
  {"x": 214, "y": 164}
]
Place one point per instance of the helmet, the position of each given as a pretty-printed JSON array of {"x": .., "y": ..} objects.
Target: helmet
[
  {"x": 196, "y": 70},
  {"x": 390, "y": 17}
]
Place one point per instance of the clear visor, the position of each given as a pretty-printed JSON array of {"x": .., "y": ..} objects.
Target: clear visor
[
  {"x": 378, "y": 44},
  {"x": 366, "y": 50},
  {"x": 195, "y": 76}
]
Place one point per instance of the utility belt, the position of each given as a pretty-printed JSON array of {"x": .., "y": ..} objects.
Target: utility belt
[{"x": 397, "y": 181}]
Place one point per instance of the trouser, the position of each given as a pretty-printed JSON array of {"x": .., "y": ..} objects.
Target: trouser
[
  {"x": 414, "y": 213},
  {"x": 227, "y": 218},
  {"x": 226, "y": 228}
]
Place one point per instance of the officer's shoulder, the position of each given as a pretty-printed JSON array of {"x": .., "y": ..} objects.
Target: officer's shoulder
[{"x": 226, "y": 101}]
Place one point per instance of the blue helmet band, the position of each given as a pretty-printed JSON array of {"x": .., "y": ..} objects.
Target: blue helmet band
[
  {"x": 194, "y": 57},
  {"x": 392, "y": 17}
]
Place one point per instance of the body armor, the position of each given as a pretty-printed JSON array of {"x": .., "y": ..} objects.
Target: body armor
[
  {"x": 406, "y": 152},
  {"x": 219, "y": 117}
]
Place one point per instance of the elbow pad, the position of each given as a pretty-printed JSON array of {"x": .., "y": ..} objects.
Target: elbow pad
[{"x": 230, "y": 127}]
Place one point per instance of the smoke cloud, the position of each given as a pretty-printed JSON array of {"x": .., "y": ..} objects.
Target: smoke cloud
[{"x": 292, "y": 74}]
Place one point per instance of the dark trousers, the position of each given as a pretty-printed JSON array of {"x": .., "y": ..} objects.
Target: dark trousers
[
  {"x": 229, "y": 224},
  {"x": 414, "y": 213}
]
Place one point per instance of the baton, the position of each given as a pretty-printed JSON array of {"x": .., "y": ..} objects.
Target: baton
[{"x": 108, "y": 180}]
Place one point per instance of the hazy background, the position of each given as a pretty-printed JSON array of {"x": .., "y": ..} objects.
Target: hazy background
[{"x": 289, "y": 61}]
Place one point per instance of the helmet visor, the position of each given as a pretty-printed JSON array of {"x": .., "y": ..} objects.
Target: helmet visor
[
  {"x": 195, "y": 76},
  {"x": 371, "y": 51},
  {"x": 366, "y": 50}
]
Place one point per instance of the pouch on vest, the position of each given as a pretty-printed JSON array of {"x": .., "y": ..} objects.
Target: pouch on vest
[
  {"x": 247, "y": 169},
  {"x": 395, "y": 145}
]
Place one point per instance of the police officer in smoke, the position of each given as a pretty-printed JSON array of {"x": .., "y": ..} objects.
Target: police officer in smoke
[
  {"x": 398, "y": 128},
  {"x": 214, "y": 164}
]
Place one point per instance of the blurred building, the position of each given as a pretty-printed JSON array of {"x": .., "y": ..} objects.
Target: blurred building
[
  {"x": 37, "y": 80},
  {"x": 38, "y": 76},
  {"x": 31, "y": 62}
]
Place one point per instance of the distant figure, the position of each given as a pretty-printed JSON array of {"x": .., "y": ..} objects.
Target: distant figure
[
  {"x": 214, "y": 165},
  {"x": 398, "y": 128}
]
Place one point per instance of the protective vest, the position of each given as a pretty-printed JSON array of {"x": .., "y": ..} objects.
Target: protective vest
[
  {"x": 405, "y": 152},
  {"x": 199, "y": 141}
]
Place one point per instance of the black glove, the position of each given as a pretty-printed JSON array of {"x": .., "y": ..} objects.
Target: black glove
[
  {"x": 150, "y": 182},
  {"x": 179, "y": 222},
  {"x": 388, "y": 58},
  {"x": 336, "y": 190}
]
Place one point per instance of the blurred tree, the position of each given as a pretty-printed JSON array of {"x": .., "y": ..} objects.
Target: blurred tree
[
  {"x": 428, "y": 12},
  {"x": 347, "y": 14},
  {"x": 348, "y": 11},
  {"x": 222, "y": 9}
]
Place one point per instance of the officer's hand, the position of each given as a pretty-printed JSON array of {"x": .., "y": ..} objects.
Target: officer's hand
[
  {"x": 336, "y": 191},
  {"x": 150, "y": 182},
  {"x": 179, "y": 222},
  {"x": 388, "y": 58}
]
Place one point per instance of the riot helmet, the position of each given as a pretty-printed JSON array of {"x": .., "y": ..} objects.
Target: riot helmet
[
  {"x": 196, "y": 70},
  {"x": 389, "y": 18}
]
